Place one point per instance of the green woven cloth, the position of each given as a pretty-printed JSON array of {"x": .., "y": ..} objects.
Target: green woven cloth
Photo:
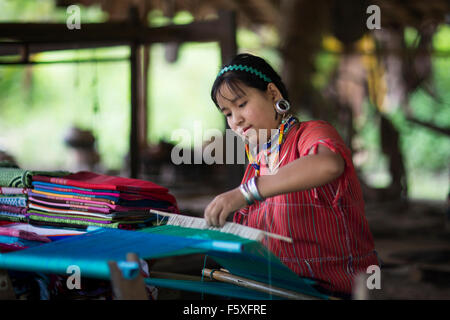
[{"x": 20, "y": 178}]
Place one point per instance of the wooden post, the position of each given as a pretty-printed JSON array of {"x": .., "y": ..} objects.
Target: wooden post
[
  {"x": 228, "y": 49},
  {"x": 135, "y": 88},
  {"x": 127, "y": 289}
]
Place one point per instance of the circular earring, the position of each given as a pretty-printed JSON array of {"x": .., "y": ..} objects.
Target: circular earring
[{"x": 282, "y": 106}]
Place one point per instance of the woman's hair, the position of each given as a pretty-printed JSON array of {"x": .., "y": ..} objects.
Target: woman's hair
[{"x": 249, "y": 70}]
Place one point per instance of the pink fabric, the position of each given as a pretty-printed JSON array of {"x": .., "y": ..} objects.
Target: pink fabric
[
  {"x": 94, "y": 205},
  {"x": 5, "y": 231},
  {"x": 9, "y": 190},
  {"x": 72, "y": 206}
]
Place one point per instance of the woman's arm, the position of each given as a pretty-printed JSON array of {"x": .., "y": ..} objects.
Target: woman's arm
[{"x": 301, "y": 174}]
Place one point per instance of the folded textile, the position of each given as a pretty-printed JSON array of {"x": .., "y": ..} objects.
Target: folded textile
[
  {"x": 78, "y": 207},
  {"x": 93, "y": 196},
  {"x": 20, "y": 178},
  {"x": 14, "y": 209},
  {"x": 96, "y": 205},
  {"x": 9, "y": 243},
  {"x": 13, "y": 200},
  {"x": 44, "y": 186},
  {"x": 12, "y": 216},
  {"x": 91, "y": 180},
  {"x": 52, "y": 233},
  {"x": 5, "y": 223},
  {"x": 8, "y": 190},
  {"x": 5, "y": 231},
  {"x": 39, "y": 218},
  {"x": 56, "y": 196}
]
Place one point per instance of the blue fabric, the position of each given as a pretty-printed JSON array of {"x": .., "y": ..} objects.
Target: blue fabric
[
  {"x": 113, "y": 198},
  {"x": 48, "y": 185},
  {"x": 16, "y": 201}
]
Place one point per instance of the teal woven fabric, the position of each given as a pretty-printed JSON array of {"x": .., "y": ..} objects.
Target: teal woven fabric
[{"x": 92, "y": 251}]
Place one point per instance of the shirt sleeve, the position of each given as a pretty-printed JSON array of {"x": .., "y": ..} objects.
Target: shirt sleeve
[{"x": 322, "y": 133}]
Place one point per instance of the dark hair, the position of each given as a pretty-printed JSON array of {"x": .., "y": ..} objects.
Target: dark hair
[{"x": 234, "y": 77}]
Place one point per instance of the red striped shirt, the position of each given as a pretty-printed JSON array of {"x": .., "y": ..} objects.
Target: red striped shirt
[{"x": 332, "y": 242}]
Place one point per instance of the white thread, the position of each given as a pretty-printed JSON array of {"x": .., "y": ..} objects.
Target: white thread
[{"x": 229, "y": 227}]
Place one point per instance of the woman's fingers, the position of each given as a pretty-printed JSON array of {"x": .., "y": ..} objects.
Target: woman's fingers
[
  {"x": 219, "y": 209},
  {"x": 214, "y": 213},
  {"x": 223, "y": 217},
  {"x": 209, "y": 212}
]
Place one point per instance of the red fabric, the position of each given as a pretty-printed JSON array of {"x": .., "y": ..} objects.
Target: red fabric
[
  {"x": 332, "y": 240},
  {"x": 91, "y": 180}
]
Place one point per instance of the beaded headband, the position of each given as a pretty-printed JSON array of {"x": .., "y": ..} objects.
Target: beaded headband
[{"x": 246, "y": 69}]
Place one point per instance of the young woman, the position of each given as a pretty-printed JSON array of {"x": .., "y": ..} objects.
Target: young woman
[{"x": 301, "y": 184}]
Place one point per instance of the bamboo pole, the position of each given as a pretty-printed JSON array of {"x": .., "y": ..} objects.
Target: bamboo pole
[{"x": 255, "y": 285}]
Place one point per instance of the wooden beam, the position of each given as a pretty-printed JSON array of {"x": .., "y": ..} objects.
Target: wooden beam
[{"x": 117, "y": 32}]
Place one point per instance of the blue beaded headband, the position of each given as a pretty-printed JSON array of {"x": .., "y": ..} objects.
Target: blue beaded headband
[{"x": 244, "y": 68}]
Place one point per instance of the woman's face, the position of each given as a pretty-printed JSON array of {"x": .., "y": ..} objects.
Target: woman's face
[{"x": 250, "y": 113}]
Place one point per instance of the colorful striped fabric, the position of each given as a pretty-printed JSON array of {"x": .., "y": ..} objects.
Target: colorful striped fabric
[
  {"x": 332, "y": 240},
  {"x": 7, "y": 190},
  {"x": 91, "y": 180},
  {"x": 12, "y": 216},
  {"x": 14, "y": 200},
  {"x": 13, "y": 209}
]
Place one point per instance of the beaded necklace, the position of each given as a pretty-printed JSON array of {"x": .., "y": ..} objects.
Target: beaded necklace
[{"x": 269, "y": 147}]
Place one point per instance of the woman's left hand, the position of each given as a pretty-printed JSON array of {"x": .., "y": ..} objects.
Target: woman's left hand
[{"x": 220, "y": 208}]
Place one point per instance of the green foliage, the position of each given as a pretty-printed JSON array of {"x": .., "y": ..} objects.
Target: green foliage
[
  {"x": 179, "y": 92},
  {"x": 45, "y": 11}
]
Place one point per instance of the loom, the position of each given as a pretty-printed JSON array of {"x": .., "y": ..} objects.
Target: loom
[{"x": 92, "y": 251}]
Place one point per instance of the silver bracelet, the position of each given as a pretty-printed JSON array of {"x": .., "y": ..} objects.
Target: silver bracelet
[
  {"x": 251, "y": 185},
  {"x": 246, "y": 194}
]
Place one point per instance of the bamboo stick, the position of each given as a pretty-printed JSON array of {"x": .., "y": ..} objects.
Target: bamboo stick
[{"x": 255, "y": 285}]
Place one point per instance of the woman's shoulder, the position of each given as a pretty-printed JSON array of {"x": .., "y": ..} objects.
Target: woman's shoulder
[
  {"x": 315, "y": 128},
  {"x": 313, "y": 124},
  {"x": 312, "y": 132}
]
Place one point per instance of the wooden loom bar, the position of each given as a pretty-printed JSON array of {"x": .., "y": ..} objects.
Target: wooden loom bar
[{"x": 255, "y": 285}]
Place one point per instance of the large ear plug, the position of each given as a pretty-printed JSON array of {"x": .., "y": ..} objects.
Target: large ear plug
[{"x": 282, "y": 106}]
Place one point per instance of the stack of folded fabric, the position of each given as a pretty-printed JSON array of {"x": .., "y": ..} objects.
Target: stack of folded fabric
[
  {"x": 14, "y": 184},
  {"x": 89, "y": 199},
  {"x": 13, "y": 204}
]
